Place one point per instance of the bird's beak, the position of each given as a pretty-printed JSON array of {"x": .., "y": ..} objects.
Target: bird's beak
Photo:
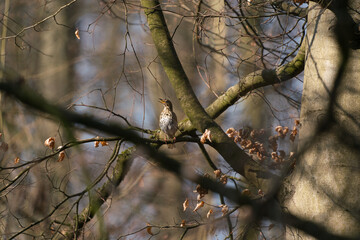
[{"x": 162, "y": 100}]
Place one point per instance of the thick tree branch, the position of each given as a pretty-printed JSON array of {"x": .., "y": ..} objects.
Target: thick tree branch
[
  {"x": 260, "y": 208},
  {"x": 252, "y": 81},
  {"x": 233, "y": 155},
  {"x": 199, "y": 119}
]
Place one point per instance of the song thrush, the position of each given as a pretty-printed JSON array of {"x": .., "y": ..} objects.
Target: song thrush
[{"x": 168, "y": 120}]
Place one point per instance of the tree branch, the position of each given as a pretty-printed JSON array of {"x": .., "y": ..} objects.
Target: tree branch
[
  {"x": 98, "y": 197},
  {"x": 252, "y": 81},
  {"x": 260, "y": 208},
  {"x": 200, "y": 120}
]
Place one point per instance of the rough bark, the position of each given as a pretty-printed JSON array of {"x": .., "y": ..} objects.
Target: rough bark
[{"x": 325, "y": 185}]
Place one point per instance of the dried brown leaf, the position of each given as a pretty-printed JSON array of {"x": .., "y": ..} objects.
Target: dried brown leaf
[
  {"x": 50, "y": 143},
  {"x": 231, "y": 132},
  {"x": 285, "y": 131},
  {"x": 185, "y": 204},
  {"x": 183, "y": 223},
  {"x": 252, "y": 133},
  {"x": 293, "y": 134},
  {"x": 198, "y": 206},
  {"x": 278, "y": 129},
  {"x": 77, "y": 34},
  {"x": 206, "y": 136},
  {"x": 217, "y": 173},
  {"x": 61, "y": 156},
  {"x": 223, "y": 179},
  {"x": 209, "y": 213},
  {"x": 224, "y": 209},
  {"x": 148, "y": 229},
  {"x": 201, "y": 191}
]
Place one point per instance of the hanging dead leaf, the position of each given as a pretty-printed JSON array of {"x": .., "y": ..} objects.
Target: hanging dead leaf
[
  {"x": 217, "y": 173},
  {"x": 198, "y": 206},
  {"x": 260, "y": 156},
  {"x": 77, "y": 34},
  {"x": 201, "y": 191},
  {"x": 61, "y": 156},
  {"x": 224, "y": 209},
  {"x": 293, "y": 134},
  {"x": 285, "y": 131},
  {"x": 278, "y": 129},
  {"x": 50, "y": 143},
  {"x": 209, "y": 213},
  {"x": 104, "y": 143},
  {"x": 249, "y": 145},
  {"x": 148, "y": 229},
  {"x": 183, "y": 223},
  {"x": 231, "y": 132},
  {"x": 223, "y": 179},
  {"x": 96, "y": 144},
  {"x": 16, "y": 160},
  {"x": 206, "y": 136},
  {"x": 185, "y": 204}
]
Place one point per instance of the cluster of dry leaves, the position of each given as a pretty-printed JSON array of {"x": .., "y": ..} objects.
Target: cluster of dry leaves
[
  {"x": 247, "y": 139},
  {"x": 50, "y": 143},
  {"x": 203, "y": 191},
  {"x": 102, "y": 142}
]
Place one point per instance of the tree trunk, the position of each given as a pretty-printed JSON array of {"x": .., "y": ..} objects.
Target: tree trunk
[{"x": 325, "y": 185}]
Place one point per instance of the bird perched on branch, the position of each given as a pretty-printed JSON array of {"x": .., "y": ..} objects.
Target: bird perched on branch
[{"x": 168, "y": 120}]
